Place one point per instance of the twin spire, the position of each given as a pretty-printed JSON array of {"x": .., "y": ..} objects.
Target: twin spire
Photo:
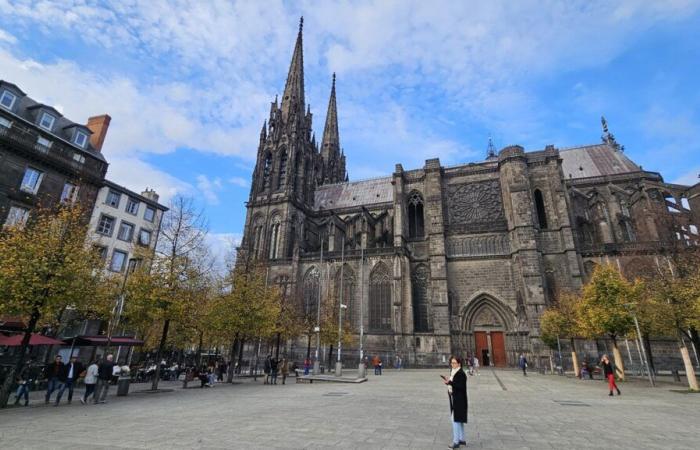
[{"x": 293, "y": 108}]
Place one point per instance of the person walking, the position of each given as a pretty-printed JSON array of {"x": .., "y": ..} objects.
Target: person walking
[
  {"x": 609, "y": 370},
  {"x": 307, "y": 365},
  {"x": 457, "y": 393},
  {"x": 90, "y": 381},
  {"x": 74, "y": 370},
  {"x": 24, "y": 380},
  {"x": 273, "y": 370},
  {"x": 284, "y": 369},
  {"x": 475, "y": 364},
  {"x": 375, "y": 364},
  {"x": 523, "y": 363},
  {"x": 104, "y": 375},
  {"x": 55, "y": 375},
  {"x": 267, "y": 369}
]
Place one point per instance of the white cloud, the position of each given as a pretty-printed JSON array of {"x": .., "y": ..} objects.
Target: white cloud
[
  {"x": 209, "y": 188},
  {"x": 238, "y": 181},
  {"x": 137, "y": 175},
  {"x": 6, "y": 37},
  {"x": 222, "y": 248}
]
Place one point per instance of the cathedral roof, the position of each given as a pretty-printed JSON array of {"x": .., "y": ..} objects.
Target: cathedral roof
[
  {"x": 358, "y": 193},
  {"x": 594, "y": 161}
]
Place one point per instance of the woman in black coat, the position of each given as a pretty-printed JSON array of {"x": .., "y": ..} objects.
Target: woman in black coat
[{"x": 457, "y": 391}]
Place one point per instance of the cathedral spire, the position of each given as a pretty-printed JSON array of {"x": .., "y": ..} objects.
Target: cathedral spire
[
  {"x": 293, "y": 99},
  {"x": 330, "y": 145}
]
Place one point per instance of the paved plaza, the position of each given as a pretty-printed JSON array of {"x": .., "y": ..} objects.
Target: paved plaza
[{"x": 398, "y": 410}]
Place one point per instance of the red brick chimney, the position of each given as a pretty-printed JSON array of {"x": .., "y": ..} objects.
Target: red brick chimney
[{"x": 98, "y": 125}]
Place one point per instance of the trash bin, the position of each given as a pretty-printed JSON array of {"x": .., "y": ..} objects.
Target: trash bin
[{"x": 123, "y": 386}]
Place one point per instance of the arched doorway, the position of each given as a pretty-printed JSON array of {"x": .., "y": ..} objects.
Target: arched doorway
[{"x": 488, "y": 321}]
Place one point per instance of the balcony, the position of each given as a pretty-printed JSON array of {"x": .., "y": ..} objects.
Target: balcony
[{"x": 58, "y": 155}]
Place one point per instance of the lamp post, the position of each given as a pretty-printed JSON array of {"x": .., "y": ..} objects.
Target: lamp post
[
  {"x": 339, "y": 363},
  {"x": 317, "y": 329},
  {"x": 629, "y": 307},
  {"x": 361, "y": 366}
]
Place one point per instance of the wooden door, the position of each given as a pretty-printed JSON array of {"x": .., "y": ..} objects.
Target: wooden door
[
  {"x": 482, "y": 347},
  {"x": 498, "y": 346}
]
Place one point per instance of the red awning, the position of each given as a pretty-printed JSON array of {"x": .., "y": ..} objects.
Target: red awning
[
  {"x": 35, "y": 339},
  {"x": 99, "y": 341}
]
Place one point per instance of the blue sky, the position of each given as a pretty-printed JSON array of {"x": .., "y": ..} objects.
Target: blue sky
[{"x": 188, "y": 84}]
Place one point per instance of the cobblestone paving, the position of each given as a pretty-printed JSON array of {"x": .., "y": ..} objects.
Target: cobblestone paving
[{"x": 398, "y": 410}]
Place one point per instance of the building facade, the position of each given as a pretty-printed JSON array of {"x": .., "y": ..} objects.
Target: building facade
[
  {"x": 440, "y": 260},
  {"x": 46, "y": 158},
  {"x": 124, "y": 224}
]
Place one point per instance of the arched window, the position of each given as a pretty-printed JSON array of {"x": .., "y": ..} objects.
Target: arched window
[
  {"x": 348, "y": 296},
  {"x": 274, "y": 237},
  {"x": 256, "y": 236},
  {"x": 419, "y": 282},
  {"x": 415, "y": 216},
  {"x": 311, "y": 287},
  {"x": 380, "y": 299},
  {"x": 267, "y": 169},
  {"x": 541, "y": 212},
  {"x": 282, "y": 178}
]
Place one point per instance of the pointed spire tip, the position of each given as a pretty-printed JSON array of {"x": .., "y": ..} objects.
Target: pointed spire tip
[{"x": 301, "y": 24}]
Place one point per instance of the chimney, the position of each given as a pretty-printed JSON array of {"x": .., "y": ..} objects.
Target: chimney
[
  {"x": 150, "y": 194},
  {"x": 98, "y": 125}
]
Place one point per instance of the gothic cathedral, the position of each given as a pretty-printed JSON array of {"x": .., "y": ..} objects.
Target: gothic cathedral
[{"x": 441, "y": 260}]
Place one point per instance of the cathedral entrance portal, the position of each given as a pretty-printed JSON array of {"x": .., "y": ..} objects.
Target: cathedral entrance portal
[{"x": 487, "y": 320}]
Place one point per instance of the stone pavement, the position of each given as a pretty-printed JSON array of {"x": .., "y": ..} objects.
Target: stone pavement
[{"x": 400, "y": 410}]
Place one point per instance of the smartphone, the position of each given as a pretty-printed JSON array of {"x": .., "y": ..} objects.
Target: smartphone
[{"x": 443, "y": 377}]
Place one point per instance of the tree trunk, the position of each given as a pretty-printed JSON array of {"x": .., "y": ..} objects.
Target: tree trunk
[
  {"x": 308, "y": 346},
  {"x": 574, "y": 359},
  {"x": 231, "y": 365},
  {"x": 9, "y": 380},
  {"x": 161, "y": 347},
  {"x": 689, "y": 370},
  {"x": 241, "y": 349},
  {"x": 330, "y": 356},
  {"x": 617, "y": 356},
  {"x": 647, "y": 346},
  {"x": 695, "y": 337},
  {"x": 198, "y": 357},
  {"x": 277, "y": 347}
]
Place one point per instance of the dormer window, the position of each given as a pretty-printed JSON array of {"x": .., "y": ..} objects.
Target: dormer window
[
  {"x": 80, "y": 139},
  {"x": 47, "y": 121},
  {"x": 8, "y": 99},
  {"x": 5, "y": 123}
]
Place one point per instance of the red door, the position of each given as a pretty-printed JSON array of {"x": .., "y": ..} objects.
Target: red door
[
  {"x": 499, "y": 348},
  {"x": 482, "y": 348}
]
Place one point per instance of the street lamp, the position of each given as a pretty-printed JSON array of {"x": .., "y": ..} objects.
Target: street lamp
[{"x": 630, "y": 308}]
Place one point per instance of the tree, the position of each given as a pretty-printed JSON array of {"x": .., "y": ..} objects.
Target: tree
[
  {"x": 562, "y": 320},
  {"x": 603, "y": 309},
  {"x": 46, "y": 267},
  {"x": 247, "y": 308},
  {"x": 163, "y": 290},
  {"x": 676, "y": 298}
]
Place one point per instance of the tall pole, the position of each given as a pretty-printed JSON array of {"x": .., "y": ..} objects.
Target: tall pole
[
  {"x": 362, "y": 305},
  {"x": 644, "y": 351},
  {"x": 561, "y": 364},
  {"x": 338, "y": 366},
  {"x": 317, "y": 363}
]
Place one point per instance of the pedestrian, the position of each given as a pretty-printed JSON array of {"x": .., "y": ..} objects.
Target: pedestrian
[
  {"x": 380, "y": 366},
  {"x": 221, "y": 372},
  {"x": 90, "y": 381},
  {"x": 23, "y": 382},
  {"x": 522, "y": 363},
  {"x": 104, "y": 375},
  {"x": 470, "y": 365},
  {"x": 267, "y": 369},
  {"x": 55, "y": 375},
  {"x": 273, "y": 371},
  {"x": 609, "y": 370},
  {"x": 375, "y": 364},
  {"x": 457, "y": 393},
  {"x": 284, "y": 369},
  {"x": 475, "y": 363},
  {"x": 74, "y": 369},
  {"x": 203, "y": 377},
  {"x": 399, "y": 362},
  {"x": 307, "y": 365}
]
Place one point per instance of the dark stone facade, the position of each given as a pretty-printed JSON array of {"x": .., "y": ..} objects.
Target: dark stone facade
[{"x": 469, "y": 256}]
